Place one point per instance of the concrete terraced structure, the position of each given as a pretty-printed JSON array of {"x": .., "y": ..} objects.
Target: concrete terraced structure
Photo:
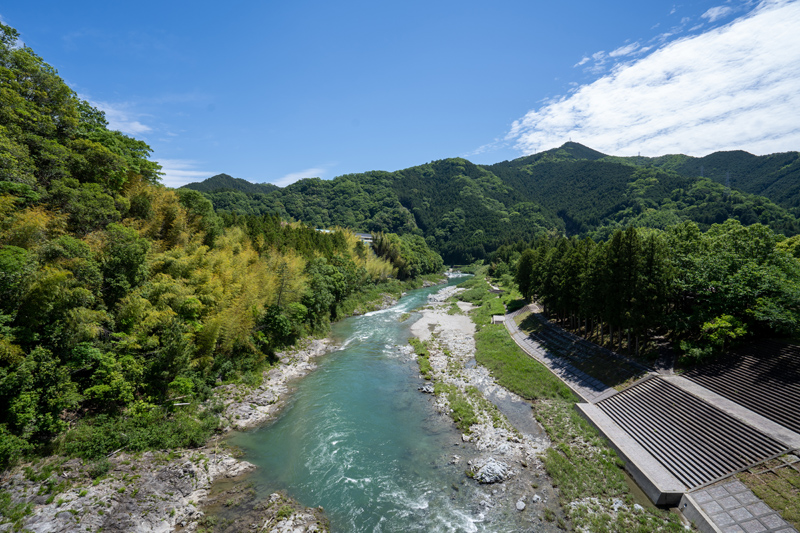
[{"x": 683, "y": 437}]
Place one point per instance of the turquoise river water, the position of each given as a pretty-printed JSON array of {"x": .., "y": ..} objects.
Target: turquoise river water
[{"x": 359, "y": 439}]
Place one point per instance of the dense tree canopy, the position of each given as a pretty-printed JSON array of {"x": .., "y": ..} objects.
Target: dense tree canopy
[{"x": 705, "y": 289}]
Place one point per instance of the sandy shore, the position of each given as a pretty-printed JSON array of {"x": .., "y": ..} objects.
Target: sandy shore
[{"x": 505, "y": 460}]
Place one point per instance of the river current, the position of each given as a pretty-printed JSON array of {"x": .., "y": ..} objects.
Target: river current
[{"x": 359, "y": 439}]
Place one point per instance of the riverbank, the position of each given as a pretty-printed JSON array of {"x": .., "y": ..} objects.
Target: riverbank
[
  {"x": 159, "y": 491},
  {"x": 168, "y": 490},
  {"x": 594, "y": 491},
  {"x": 502, "y": 458}
]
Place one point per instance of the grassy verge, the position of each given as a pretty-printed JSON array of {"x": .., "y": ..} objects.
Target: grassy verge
[
  {"x": 586, "y": 471},
  {"x": 778, "y": 485},
  {"x": 590, "y": 479},
  {"x": 423, "y": 357},
  {"x": 514, "y": 369}
]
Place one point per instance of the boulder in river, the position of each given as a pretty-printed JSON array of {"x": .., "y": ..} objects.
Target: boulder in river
[{"x": 491, "y": 471}]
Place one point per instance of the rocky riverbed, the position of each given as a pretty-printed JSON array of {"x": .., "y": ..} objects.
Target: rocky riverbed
[
  {"x": 504, "y": 458},
  {"x": 164, "y": 491}
]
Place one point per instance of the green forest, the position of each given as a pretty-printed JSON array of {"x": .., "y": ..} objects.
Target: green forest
[
  {"x": 466, "y": 211},
  {"x": 119, "y": 296},
  {"x": 706, "y": 291}
]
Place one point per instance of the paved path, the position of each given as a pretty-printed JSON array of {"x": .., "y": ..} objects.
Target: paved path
[
  {"x": 733, "y": 508},
  {"x": 588, "y": 388}
]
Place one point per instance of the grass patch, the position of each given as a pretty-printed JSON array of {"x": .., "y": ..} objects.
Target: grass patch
[
  {"x": 778, "y": 485},
  {"x": 589, "y": 476},
  {"x": 463, "y": 414},
  {"x": 13, "y": 513},
  {"x": 423, "y": 357},
  {"x": 514, "y": 369},
  {"x": 284, "y": 512},
  {"x": 579, "y": 462},
  {"x": 487, "y": 303}
]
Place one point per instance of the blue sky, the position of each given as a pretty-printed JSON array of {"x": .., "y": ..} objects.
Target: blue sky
[{"x": 276, "y": 91}]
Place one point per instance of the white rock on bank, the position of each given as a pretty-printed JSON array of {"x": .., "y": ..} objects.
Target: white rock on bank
[{"x": 492, "y": 471}]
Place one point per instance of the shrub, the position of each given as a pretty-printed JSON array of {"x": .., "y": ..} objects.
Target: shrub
[{"x": 154, "y": 430}]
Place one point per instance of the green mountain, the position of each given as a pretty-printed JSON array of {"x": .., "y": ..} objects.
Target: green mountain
[
  {"x": 595, "y": 194},
  {"x": 775, "y": 176},
  {"x": 466, "y": 211},
  {"x": 226, "y": 182}
]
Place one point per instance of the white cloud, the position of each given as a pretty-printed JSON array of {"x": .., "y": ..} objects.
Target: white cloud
[
  {"x": 733, "y": 87},
  {"x": 626, "y": 50},
  {"x": 288, "y": 179},
  {"x": 716, "y": 13},
  {"x": 178, "y": 172},
  {"x": 582, "y": 61},
  {"x": 121, "y": 118},
  {"x": 489, "y": 147}
]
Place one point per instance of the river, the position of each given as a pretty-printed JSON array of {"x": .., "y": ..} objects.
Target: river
[{"x": 359, "y": 439}]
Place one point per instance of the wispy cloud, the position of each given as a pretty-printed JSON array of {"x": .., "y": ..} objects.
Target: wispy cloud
[
  {"x": 288, "y": 179},
  {"x": 178, "y": 172},
  {"x": 583, "y": 61},
  {"x": 716, "y": 13},
  {"x": 122, "y": 118},
  {"x": 733, "y": 87},
  {"x": 626, "y": 50},
  {"x": 489, "y": 147}
]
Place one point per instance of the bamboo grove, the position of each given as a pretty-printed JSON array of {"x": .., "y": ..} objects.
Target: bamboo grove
[{"x": 706, "y": 291}]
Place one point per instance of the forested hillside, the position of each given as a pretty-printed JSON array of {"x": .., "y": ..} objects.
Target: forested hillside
[
  {"x": 466, "y": 211},
  {"x": 119, "y": 296},
  {"x": 460, "y": 209},
  {"x": 774, "y": 176},
  {"x": 223, "y": 182},
  {"x": 595, "y": 195},
  {"x": 705, "y": 291}
]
